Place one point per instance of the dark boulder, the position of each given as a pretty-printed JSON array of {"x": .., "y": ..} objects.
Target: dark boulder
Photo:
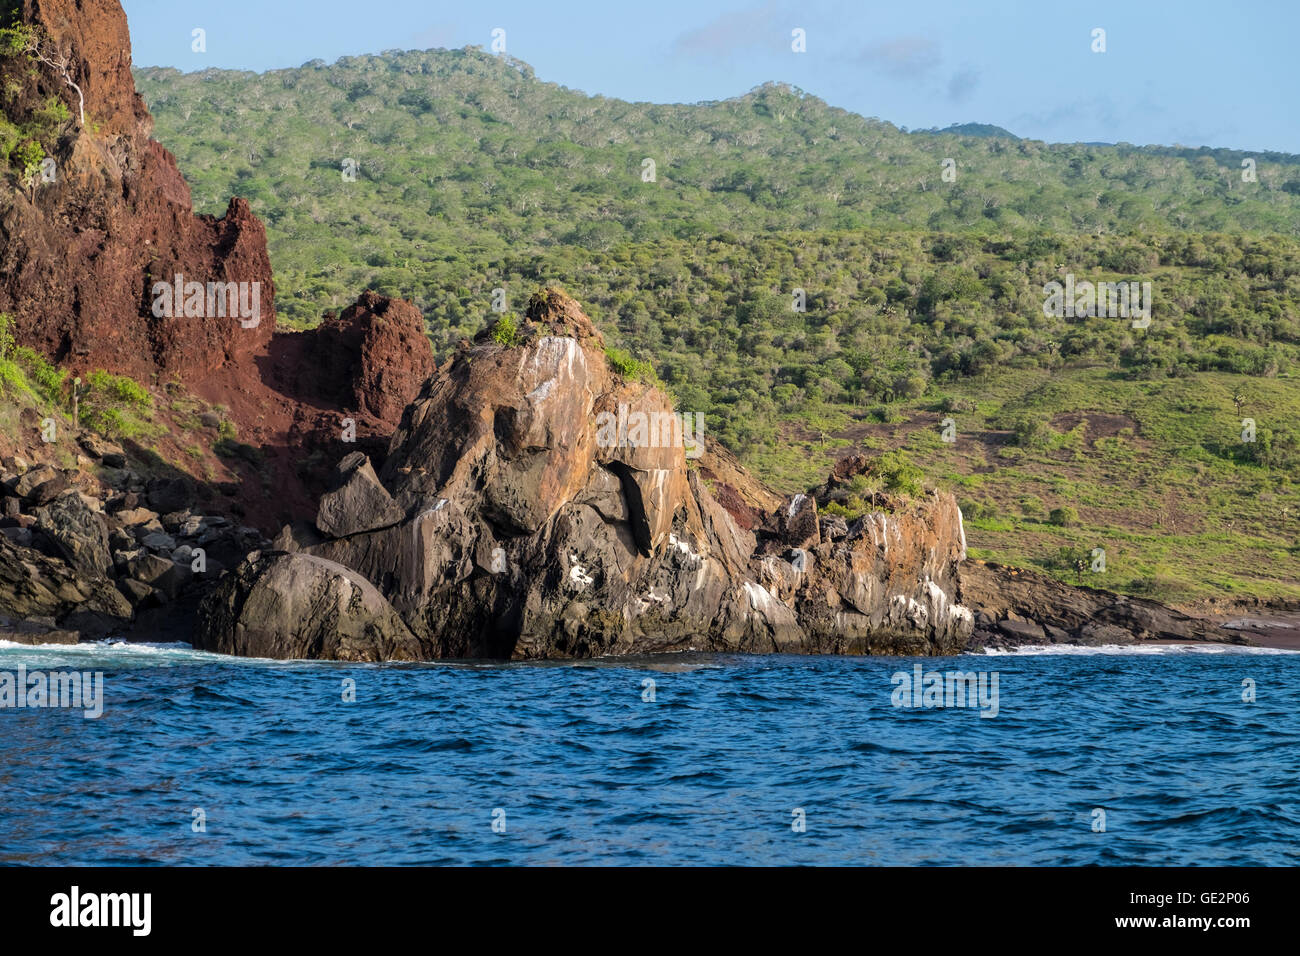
[
  {"x": 79, "y": 534},
  {"x": 301, "y": 606},
  {"x": 358, "y": 502}
]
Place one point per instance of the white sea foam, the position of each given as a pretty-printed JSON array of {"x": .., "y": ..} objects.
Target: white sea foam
[
  {"x": 114, "y": 653},
  {"x": 1126, "y": 650}
]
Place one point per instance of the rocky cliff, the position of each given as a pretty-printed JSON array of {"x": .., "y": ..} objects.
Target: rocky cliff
[
  {"x": 85, "y": 252},
  {"x": 533, "y": 503},
  {"x": 1017, "y": 606},
  {"x": 525, "y": 501},
  {"x": 104, "y": 265}
]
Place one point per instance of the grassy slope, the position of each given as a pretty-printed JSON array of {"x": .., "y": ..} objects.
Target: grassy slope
[{"x": 1143, "y": 464}]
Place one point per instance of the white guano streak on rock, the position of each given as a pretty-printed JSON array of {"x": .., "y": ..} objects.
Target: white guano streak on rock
[
  {"x": 554, "y": 355},
  {"x": 938, "y": 598},
  {"x": 760, "y": 598},
  {"x": 701, "y": 560},
  {"x": 577, "y": 573},
  {"x": 442, "y": 503}
]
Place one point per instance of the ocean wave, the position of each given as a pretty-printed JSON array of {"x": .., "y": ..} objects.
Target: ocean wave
[{"x": 1143, "y": 650}]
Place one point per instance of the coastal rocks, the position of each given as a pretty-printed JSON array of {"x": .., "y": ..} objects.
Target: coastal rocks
[
  {"x": 793, "y": 526},
  {"x": 166, "y": 495},
  {"x": 102, "y": 450},
  {"x": 1017, "y": 606},
  {"x": 358, "y": 503},
  {"x": 30, "y": 633},
  {"x": 40, "y": 485},
  {"x": 79, "y": 534},
  {"x": 889, "y": 586},
  {"x": 90, "y": 558},
  {"x": 535, "y": 524},
  {"x": 44, "y": 590},
  {"x": 300, "y": 606}
]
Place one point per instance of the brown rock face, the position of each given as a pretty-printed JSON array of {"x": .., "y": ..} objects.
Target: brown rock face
[
  {"x": 35, "y": 587},
  {"x": 96, "y": 30},
  {"x": 372, "y": 358},
  {"x": 84, "y": 259},
  {"x": 549, "y": 510},
  {"x": 89, "y": 267}
]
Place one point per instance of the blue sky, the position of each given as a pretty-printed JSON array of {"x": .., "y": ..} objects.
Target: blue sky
[{"x": 1191, "y": 72}]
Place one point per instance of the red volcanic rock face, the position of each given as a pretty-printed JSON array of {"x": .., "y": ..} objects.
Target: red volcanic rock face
[
  {"x": 84, "y": 259},
  {"x": 107, "y": 266},
  {"x": 372, "y": 358},
  {"x": 96, "y": 30}
]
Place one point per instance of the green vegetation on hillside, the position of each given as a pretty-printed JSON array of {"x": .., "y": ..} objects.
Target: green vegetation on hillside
[
  {"x": 463, "y": 158},
  {"x": 923, "y": 299}
]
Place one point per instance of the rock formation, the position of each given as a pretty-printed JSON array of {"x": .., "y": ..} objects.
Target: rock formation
[
  {"x": 295, "y": 606},
  {"x": 521, "y": 514},
  {"x": 89, "y": 267},
  {"x": 100, "y": 549},
  {"x": 1017, "y": 606},
  {"x": 89, "y": 260},
  {"x": 529, "y": 503},
  {"x": 372, "y": 358},
  {"x": 80, "y": 254}
]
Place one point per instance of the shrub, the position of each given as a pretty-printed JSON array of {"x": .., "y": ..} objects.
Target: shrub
[
  {"x": 113, "y": 405},
  {"x": 120, "y": 390},
  {"x": 900, "y": 473},
  {"x": 909, "y": 386},
  {"x": 977, "y": 510},
  {"x": 11, "y": 377},
  {"x": 950, "y": 403},
  {"x": 26, "y": 158},
  {"x": 1064, "y": 517},
  {"x": 1032, "y": 507},
  {"x": 1075, "y": 561},
  {"x": 1032, "y": 433},
  {"x": 627, "y": 366},
  {"x": 53, "y": 113},
  {"x": 46, "y": 380},
  {"x": 505, "y": 332}
]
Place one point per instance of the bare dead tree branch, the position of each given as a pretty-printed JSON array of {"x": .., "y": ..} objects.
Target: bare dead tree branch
[{"x": 42, "y": 47}]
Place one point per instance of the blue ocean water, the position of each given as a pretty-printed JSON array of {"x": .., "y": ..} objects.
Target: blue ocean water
[{"x": 579, "y": 766}]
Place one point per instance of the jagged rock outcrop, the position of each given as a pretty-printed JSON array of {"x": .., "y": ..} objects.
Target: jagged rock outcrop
[
  {"x": 549, "y": 510},
  {"x": 79, "y": 534},
  {"x": 90, "y": 255},
  {"x": 95, "y": 558},
  {"x": 358, "y": 502},
  {"x": 373, "y": 357},
  {"x": 1017, "y": 606},
  {"x": 37, "y": 588},
  {"x": 80, "y": 255}
]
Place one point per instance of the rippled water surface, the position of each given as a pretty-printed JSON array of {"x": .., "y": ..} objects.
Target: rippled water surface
[{"x": 583, "y": 770}]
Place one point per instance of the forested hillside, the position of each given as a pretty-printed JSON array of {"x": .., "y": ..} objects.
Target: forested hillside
[
  {"x": 460, "y": 154},
  {"x": 923, "y": 298}
]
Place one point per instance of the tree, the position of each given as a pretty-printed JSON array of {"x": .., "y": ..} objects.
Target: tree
[{"x": 39, "y": 45}]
